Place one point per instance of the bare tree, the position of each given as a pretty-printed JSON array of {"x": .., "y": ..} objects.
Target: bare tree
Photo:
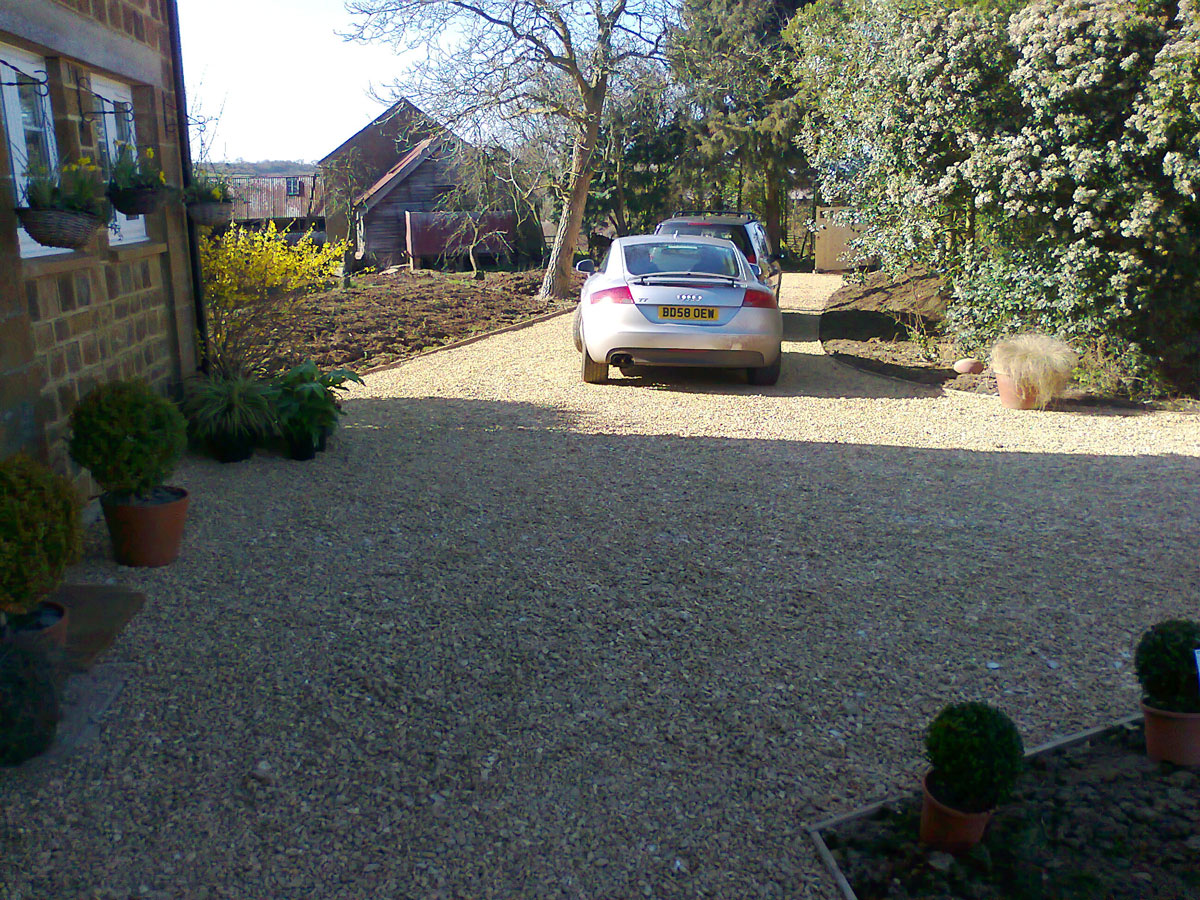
[
  {"x": 495, "y": 62},
  {"x": 492, "y": 207}
]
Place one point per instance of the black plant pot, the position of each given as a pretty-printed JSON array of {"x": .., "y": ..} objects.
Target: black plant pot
[
  {"x": 231, "y": 448},
  {"x": 323, "y": 440},
  {"x": 300, "y": 446}
]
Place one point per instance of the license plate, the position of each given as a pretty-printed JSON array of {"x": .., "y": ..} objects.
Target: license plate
[{"x": 688, "y": 313}]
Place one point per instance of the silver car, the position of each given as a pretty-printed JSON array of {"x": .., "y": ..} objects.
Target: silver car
[{"x": 666, "y": 300}]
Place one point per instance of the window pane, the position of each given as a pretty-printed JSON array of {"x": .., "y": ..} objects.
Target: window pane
[{"x": 32, "y": 123}]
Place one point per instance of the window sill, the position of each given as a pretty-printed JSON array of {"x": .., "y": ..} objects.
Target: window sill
[
  {"x": 56, "y": 263},
  {"x": 125, "y": 252}
]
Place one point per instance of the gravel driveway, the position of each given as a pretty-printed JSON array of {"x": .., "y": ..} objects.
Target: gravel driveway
[{"x": 520, "y": 637}]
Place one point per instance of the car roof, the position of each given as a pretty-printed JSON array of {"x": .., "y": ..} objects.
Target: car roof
[
  {"x": 705, "y": 219},
  {"x": 673, "y": 239}
]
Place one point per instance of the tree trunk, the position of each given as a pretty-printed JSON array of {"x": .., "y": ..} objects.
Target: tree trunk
[
  {"x": 556, "y": 285},
  {"x": 773, "y": 213}
]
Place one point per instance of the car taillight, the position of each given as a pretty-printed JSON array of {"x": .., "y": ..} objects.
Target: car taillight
[
  {"x": 759, "y": 298},
  {"x": 612, "y": 295},
  {"x": 751, "y": 258}
]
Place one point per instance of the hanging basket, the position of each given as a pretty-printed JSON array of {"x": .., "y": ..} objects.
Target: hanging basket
[
  {"x": 211, "y": 213},
  {"x": 136, "y": 201},
  {"x": 63, "y": 228}
]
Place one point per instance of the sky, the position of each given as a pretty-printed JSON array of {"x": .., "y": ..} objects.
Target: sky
[{"x": 285, "y": 84}]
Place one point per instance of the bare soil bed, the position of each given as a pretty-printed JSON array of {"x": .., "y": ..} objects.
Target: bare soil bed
[
  {"x": 892, "y": 327},
  {"x": 386, "y": 317},
  {"x": 1093, "y": 820}
]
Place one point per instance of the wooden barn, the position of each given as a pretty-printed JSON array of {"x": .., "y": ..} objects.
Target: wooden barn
[
  {"x": 294, "y": 202},
  {"x": 397, "y": 171}
]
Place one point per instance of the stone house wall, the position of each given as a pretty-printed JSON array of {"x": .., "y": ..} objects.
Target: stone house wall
[{"x": 72, "y": 320}]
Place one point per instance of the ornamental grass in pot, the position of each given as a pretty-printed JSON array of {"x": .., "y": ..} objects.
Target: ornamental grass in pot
[
  {"x": 131, "y": 439},
  {"x": 977, "y": 756},
  {"x": 1032, "y": 369},
  {"x": 39, "y": 537},
  {"x": 229, "y": 415},
  {"x": 1168, "y": 666}
]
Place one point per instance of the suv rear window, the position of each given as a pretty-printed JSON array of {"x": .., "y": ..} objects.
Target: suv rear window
[{"x": 734, "y": 233}]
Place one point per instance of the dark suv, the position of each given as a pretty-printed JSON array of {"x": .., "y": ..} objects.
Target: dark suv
[{"x": 742, "y": 228}]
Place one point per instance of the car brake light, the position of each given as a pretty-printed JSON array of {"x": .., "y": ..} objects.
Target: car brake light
[
  {"x": 751, "y": 258},
  {"x": 613, "y": 295},
  {"x": 759, "y": 298}
]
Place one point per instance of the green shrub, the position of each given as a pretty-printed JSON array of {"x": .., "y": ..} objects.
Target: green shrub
[
  {"x": 1166, "y": 666},
  {"x": 304, "y": 399},
  {"x": 977, "y": 755},
  {"x": 217, "y": 406},
  {"x": 39, "y": 532},
  {"x": 127, "y": 436}
]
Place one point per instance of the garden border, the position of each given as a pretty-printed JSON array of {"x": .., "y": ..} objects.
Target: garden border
[
  {"x": 475, "y": 338},
  {"x": 814, "y": 830}
]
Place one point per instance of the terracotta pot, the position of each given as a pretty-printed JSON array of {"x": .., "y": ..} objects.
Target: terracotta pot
[
  {"x": 1010, "y": 397},
  {"x": 948, "y": 829},
  {"x": 146, "y": 534},
  {"x": 35, "y": 635},
  {"x": 1172, "y": 736}
]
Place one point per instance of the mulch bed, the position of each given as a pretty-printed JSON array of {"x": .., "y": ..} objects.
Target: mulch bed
[
  {"x": 892, "y": 327},
  {"x": 386, "y": 317},
  {"x": 1087, "y": 821}
]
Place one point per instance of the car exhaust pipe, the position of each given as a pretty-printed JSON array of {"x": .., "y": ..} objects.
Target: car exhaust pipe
[{"x": 622, "y": 359}]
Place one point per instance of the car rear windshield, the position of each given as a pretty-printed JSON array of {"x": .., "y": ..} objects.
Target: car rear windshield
[
  {"x": 679, "y": 257},
  {"x": 734, "y": 233}
]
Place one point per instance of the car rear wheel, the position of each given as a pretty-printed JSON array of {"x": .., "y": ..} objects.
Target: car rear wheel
[
  {"x": 594, "y": 372},
  {"x": 765, "y": 375},
  {"x": 577, "y": 329}
]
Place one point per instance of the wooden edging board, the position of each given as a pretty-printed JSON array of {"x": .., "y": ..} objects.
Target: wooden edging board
[
  {"x": 814, "y": 831},
  {"x": 454, "y": 345}
]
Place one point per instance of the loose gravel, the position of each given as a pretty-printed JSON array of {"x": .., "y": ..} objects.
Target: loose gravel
[{"x": 515, "y": 636}]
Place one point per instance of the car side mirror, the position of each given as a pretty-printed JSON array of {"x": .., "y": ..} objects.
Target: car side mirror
[
  {"x": 756, "y": 270},
  {"x": 586, "y": 266}
]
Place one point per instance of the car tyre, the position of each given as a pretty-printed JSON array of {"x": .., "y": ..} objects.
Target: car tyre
[
  {"x": 765, "y": 375},
  {"x": 577, "y": 330},
  {"x": 594, "y": 372}
]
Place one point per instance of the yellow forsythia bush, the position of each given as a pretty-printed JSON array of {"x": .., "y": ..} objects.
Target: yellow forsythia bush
[{"x": 253, "y": 283}]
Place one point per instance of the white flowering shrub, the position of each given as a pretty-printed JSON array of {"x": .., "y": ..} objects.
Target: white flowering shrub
[{"x": 1047, "y": 161}]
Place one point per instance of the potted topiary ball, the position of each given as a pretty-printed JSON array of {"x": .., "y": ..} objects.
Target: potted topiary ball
[
  {"x": 977, "y": 756},
  {"x": 39, "y": 538},
  {"x": 1169, "y": 669},
  {"x": 131, "y": 439}
]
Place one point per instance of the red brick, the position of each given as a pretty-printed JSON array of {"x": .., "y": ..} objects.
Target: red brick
[
  {"x": 66, "y": 293},
  {"x": 89, "y": 349},
  {"x": 43, "y": 336},
  {"x": 58, "y": 364},
  {"x": 74, "y": 359}
]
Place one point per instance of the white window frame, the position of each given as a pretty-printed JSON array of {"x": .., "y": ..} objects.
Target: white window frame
[
  {"x": 14, "y": 134},
  {"x": 122, "y": 229}
]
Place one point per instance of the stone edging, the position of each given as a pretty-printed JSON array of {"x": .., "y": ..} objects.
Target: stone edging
[
  {"x": 814, "y": 831},
  {"x": 454, "y": 345}
]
